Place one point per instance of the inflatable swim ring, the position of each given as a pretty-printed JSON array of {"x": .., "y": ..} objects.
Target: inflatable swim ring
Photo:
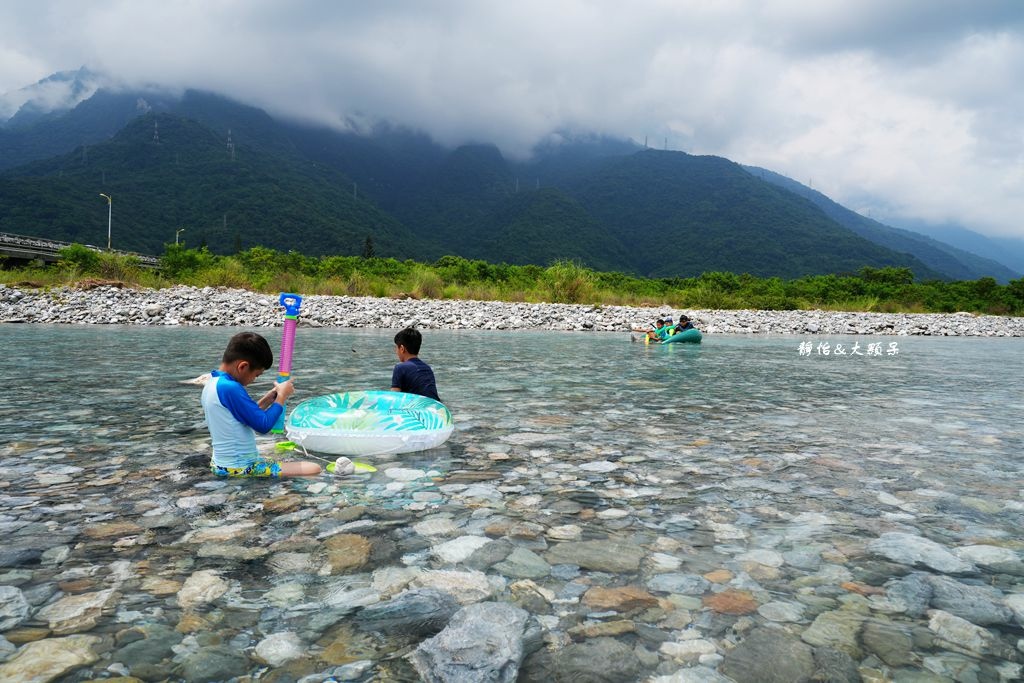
[
  {"x": 369, "y": 423},
  {"x": 690, "y": 336}
]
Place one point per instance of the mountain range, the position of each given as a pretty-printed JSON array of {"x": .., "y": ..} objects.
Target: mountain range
[{"x": 234, "y": 177}]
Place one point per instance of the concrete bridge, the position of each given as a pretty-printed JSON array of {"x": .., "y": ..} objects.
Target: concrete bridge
[{"x": 25, "y": 248}]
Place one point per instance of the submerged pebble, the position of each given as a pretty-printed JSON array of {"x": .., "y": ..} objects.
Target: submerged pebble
[{"x": 627, "y": 531}]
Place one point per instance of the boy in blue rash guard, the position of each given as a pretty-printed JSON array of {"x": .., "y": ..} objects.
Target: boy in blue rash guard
[
  {"x": 234, "y": 418},
  {"x": 412, "y": 375}
]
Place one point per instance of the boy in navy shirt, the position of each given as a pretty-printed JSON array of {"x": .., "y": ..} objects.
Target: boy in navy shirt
[{"x": 412, "y": 375}]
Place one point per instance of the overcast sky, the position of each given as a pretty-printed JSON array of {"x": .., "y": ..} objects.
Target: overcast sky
[{"x": 900, "y": 109}]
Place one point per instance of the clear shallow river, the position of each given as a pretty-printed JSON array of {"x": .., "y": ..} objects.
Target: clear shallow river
[{"x": 742, "y": 489}]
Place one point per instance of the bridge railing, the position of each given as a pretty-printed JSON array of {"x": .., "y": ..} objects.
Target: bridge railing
[{"x": 44, "y": 246}]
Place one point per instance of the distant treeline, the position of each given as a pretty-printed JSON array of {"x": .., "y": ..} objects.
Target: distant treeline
[{"x": 452, "y": 277}]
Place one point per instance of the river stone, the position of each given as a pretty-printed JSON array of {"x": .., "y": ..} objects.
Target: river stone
[
  {"x": 910, "y": 594},
  {"x": 17, "y": 557},
  {"x": 616, "y": 557},
  {"x": 14, "y": 608},
  {"x": 958, "y": 633},
  {"x": 600, "y": 466},
  {"x": 781, "y": 611},
  {"x": 347, "y": 552},
  {"x": 836, "y": 629},
  {"x": 200, "y": 588},
  {"x": 688, "y": 650},
  {"x": 221, "y": 533},
  {"x": 621, "y": 599},
  {"x": 1015, "y": 602},
  {"x": 393, "y": 580},
  {"x": 212, "y": 664},
  {"x": 482, "y": 642},
  {"x": 75, "y": 613},
  {"x": 694, "y": 674},
  {"x": 279, "y": 648},
  {"x": 488, "y": 555},
  {"x": 112, "y": 529},
  {"x": 769, "y": 558},
  {"x": 980, "y": 605},
  {"x": 565, "y": 532},
  {"x": 834, "y": 666},
  {"x": 598, "y": 660},
  {"x": 891, "y": 642},
  {"x": 243, "y": 553},
  {"x": 291, "y": 563},
  {"x": 7, "y": 649},
  {"x": 283, "y": 504},
  {"x": 913, "y": 550},
  {"x": 459, "y": 549},
  {"x": 522, "y": 563},
  {"x": 419, "y": 612},
  {"x": 682, "y": 584},
  {"x": 993, "y": 558},
  {"x": 160, "y": 586},
  {"x": 404, "y": 474},
  {"x": 46, "y": 660},
  {"x": 466, "y": 587},
  {"x": 435, "y": 526},
  {"x": 769, "y": 655},
  {"x": 157, "y": 644},
  {"x": 731, "y": 601}
]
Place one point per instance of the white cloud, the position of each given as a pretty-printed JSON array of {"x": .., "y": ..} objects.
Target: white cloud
[{"x": 915, "y": 105}]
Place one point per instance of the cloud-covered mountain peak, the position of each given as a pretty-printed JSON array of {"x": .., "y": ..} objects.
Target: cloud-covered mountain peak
[{"x": 58, "y": 92}]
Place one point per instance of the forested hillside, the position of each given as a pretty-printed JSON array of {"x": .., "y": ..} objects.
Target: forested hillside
[{"x": 233, "y": 177}]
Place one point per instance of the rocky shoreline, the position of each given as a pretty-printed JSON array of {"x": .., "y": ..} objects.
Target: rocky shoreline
[{"x": 218, "y": 306}]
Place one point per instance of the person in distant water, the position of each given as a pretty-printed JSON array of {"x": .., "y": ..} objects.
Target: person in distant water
[
  {"x": 683, "y": 324},
  {"x": 660, "y": 330},
  {"x": 412, "y": 375},
  {"x": 234, "y": 418}
]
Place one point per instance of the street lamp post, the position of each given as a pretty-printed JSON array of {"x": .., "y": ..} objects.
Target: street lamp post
[
  {"x": 110, "y": 208},
  {"x": 176, "y": 233}
]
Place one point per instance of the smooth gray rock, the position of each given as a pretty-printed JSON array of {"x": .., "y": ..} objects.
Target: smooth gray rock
[
  {"x": 769, "y": 655},
  {"x": 18, "y": 557},
  {"x": 683, "y": 584},
  {"x": 14, "y": 608},
  {"x": 213, "y": 664},
  {"x": 913, "y": 550},
  {"x": 910, "y": 594},
  {"x": 482, "y": 642},
  {"x": 890, "y": 642},
  {"x": 599, "y": 660},
  {"x": 523, "y": 564},
  {"x": 834, "y": 666},
  {"x": 418, "y": 612},
  {"x": 156, "y": 644},
  {"x": 980, "y": 605},
  {"x": 838, "y": 629},
  {"x": 617, "y": 557}
]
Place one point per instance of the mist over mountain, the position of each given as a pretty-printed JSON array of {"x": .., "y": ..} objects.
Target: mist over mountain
[
  {"x": 235, "y": 177},
  {"x": 943, "y": 256},
  {"x": 1005, "y": 250}
]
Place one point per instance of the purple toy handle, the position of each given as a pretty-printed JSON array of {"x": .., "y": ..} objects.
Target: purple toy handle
[
  {"x": 284, "y": 366},
  {"x": 291, "y": 303}
]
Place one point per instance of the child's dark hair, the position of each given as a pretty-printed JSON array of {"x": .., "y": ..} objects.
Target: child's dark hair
[
  {"x": 251, "y": 347},
  {"x": 411, "y": 339}
]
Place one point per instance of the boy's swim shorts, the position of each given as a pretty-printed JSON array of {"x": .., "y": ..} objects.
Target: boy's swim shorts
[{"x": 257, "y": 468}]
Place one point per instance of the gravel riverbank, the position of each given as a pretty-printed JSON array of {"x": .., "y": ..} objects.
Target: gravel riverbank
[{"x": 208, "y": 306}]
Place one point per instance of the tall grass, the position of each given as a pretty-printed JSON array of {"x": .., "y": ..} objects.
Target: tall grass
[{"x": 453, "y": 277}]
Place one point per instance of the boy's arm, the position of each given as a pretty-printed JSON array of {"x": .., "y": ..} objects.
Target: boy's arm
[
  {"x": 396, "y": 378},
  {"x": 237, "y": 400}
]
